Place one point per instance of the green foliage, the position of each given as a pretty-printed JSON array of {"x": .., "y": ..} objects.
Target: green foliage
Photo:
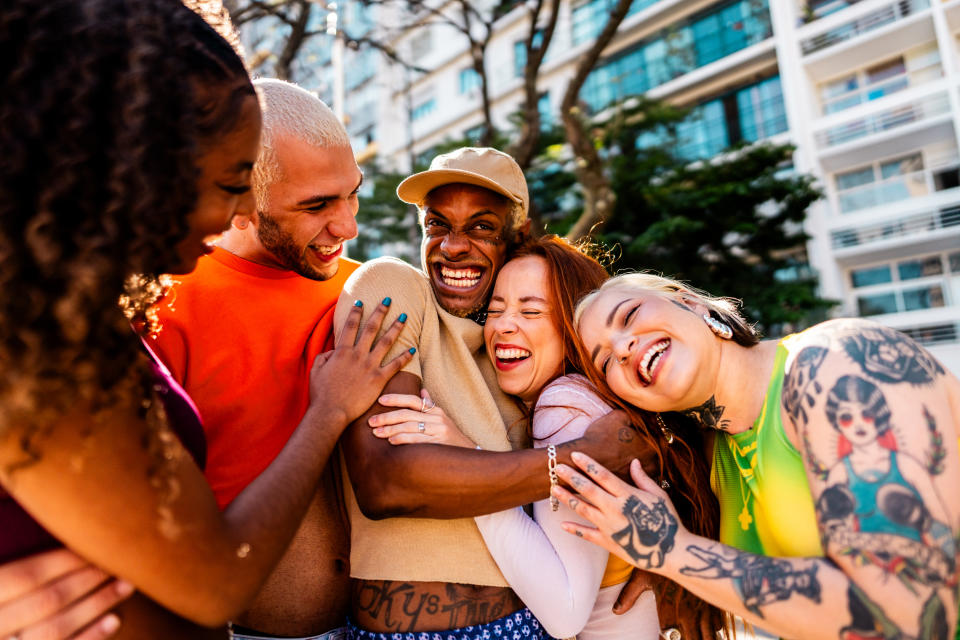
[
  {"x": 732, "y": 226},
  {"x": 384, "y": 220}
]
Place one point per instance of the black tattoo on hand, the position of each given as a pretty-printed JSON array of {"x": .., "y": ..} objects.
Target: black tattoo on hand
[
  {"x": 890, "y": 356},
  {"x": 759, "y": 579},
  {"x": 649, "y": 534},
  {"x": 800, "y": 384},
  {"x": 709, "y": 414}
]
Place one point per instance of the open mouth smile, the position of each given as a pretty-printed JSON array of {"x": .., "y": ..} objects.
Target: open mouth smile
[
  {"x": 509, "y": 356},
  {"x": 651, "y": 360},
  {"x": 326, "y": 253},
  {"x": 461, "y": 278}
]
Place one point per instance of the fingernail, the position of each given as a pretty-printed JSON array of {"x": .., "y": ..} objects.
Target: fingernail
[
  {"x": 358, "y": 303},
  {"x": 124, "y": 588},
  {"x": 402, "y": 318},
  {"x": 378, "y": 431},
  {"x": 387, "y": 301},
  {"x": 110, "y": 623},
  {"x": 412, "y": 350},
  {"x": 617, "y": 607},
  {"x": 576, "y": 456}
]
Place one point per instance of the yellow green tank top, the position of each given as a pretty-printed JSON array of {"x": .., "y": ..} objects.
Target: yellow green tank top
[{"x": 761, "y": 484}]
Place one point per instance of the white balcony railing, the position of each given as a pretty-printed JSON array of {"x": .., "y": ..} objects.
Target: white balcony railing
[
  {"x": 896, "y": 83},
  {"x": 934, "y": 334},
  {"x": 899, "y": 187},
  {"x": 916, "y": 111},
  {"x": 903, "y": 227},
  {"x": 886, "y": 15}
]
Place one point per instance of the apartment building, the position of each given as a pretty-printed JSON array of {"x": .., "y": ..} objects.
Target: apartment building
[{"x": 867, "y": 90}]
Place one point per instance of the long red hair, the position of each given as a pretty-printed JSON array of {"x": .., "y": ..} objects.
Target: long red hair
[{"x": 573, "y": 271}]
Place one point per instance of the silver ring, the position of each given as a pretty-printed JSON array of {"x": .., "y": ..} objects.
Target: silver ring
[
  {"x": 670, "y": 634},
  {"x": 664, "y": 484},
  {"x": 421, "y": 427}
]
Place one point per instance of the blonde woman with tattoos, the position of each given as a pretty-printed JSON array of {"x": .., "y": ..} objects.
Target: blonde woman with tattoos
[{"x": 834, "y": 458}]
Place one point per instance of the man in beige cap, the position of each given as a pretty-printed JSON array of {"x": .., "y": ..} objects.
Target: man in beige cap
[{"x": 431, "y": 570}]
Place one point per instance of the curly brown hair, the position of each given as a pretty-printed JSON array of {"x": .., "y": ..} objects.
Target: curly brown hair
[{"x": 106, "y": 107}]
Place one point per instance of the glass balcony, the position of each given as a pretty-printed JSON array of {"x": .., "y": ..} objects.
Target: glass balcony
[
  {"x": 916, "y": 111},
  {"x": 904, "y": 227},
  {"x": 870, "y": 22},
  {"x": 899, "y": 187},
  {"x": 899, "y": 82}
]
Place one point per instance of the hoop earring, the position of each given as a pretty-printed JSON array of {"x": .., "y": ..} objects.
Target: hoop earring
[{"x": 721, "y": 329}]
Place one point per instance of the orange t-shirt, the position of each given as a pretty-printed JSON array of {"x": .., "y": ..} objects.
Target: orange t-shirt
[{"x": 240, "y": 337}]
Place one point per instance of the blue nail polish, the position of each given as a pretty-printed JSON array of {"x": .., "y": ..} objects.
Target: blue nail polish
[
  {"x": 387, "y": 301},
  {"x": 412, "y": 350},
  {"x": 402, "y": 318},
  {"x": 358, "y": 303}
]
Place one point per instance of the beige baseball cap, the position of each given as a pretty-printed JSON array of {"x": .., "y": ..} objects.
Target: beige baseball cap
[{"x": 483, "y": 167}]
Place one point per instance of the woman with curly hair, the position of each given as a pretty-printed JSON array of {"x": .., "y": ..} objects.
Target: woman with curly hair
[{"x": 129, "y": 129}]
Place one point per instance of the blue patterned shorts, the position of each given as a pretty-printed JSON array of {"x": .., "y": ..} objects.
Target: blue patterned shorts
[{"x": 520, "y": 625}]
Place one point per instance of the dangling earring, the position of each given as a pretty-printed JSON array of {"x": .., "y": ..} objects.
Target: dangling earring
[
  {"x": 667, "y": 433},
  {"x": 721, "y": 329}
]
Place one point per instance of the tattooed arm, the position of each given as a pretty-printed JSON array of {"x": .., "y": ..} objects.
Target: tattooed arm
[{"x": 874, "y": 423}]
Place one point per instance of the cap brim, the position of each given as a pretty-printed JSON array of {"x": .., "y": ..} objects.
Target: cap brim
[{"x": 414, "y": 189}]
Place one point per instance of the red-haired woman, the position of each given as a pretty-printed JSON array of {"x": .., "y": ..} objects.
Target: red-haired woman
[{"x": 570, "y": 587}]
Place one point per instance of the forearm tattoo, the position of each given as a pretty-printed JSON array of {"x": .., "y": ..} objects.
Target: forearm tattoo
[
  {"x": 760, "y": 580},
  {"x": 649, "y": 534},
  {"x": 709, "y": 414}
]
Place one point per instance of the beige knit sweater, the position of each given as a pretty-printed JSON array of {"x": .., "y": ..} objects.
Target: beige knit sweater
[{"x": 453, "y": 366}]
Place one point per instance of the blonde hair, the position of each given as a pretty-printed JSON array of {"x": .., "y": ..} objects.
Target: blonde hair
[
  {"x": 726, "y": 310},
  {"x": 290, "y": 110}
]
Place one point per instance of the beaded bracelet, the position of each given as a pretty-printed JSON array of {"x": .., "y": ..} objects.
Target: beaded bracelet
[{"x": 552, "y": 471}]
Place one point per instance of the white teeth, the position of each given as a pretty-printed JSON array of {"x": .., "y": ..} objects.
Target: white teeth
[
  {"x": 327, "y": 251},
  {"x": 462, "y": 278},
  {"x": 650, "y": 359},
  {"x": 511, "y": 354}
]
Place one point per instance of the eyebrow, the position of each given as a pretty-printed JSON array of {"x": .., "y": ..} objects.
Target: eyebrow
[
  {"x": 613, "y": 312},
  {"x": 533, "y": 299},
  {"x": 473, "y": 216},
  {"x": 318, "y": 199}
]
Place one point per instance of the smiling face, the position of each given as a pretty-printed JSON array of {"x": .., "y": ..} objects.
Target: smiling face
[
  {"x": 521, "y": 333},
  {"x": 654, "y": 351},
  {"x": 310, "y": 209},
  {"x": 464, "y": 244},
  {"x": 223, "y": 188}
]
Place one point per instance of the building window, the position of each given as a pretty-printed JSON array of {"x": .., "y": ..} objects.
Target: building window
[
  {"x": 423, "y": 109},
  {"x": 546, "y": 114},
  {"x": 749, "y": 114},
  {"x": 761, "y": 110},
  {"x": 421, "y": 43},
  {"x": 676, "y": 51},
  {"x": 520, "y": 52},
  {"x": 911, "y": 284},
  {"x": 892, "y": 181},
  {"x": 879, "y": 80},
  {"x": 469, "y": 80},
  {"x": 589, "y": 18}
]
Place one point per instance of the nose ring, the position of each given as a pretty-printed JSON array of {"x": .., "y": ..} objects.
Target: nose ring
[{"x": 622, "y": 360}]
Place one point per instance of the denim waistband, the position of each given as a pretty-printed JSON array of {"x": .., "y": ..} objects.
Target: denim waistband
[{"x": 519, "y": 625}]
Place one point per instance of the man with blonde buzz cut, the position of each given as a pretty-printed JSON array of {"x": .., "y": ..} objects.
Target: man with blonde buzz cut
[{"x": 240, "y": 332}]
